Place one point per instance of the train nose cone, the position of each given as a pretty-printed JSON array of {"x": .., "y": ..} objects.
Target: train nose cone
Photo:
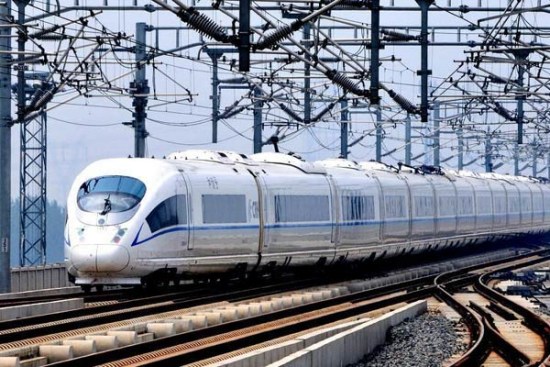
[{"x": 99, "y": 258}]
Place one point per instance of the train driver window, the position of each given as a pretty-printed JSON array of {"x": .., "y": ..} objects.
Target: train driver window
[
  {"x": 110, "y": 194},
  {"x": 170, "y": 212}
]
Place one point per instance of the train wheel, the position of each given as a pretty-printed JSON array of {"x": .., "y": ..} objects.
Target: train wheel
[
  {"x": 99, "y": 288},
  {"x": 86, "y": 288}
]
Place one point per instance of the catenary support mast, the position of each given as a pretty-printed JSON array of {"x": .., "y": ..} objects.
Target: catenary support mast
[{"x": 5, "y": 145}]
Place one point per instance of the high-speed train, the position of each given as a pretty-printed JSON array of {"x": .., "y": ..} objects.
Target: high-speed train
[{"x": 199, "y": 212}]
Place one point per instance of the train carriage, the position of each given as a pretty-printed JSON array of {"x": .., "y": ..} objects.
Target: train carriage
[{"x": 200, "y": 213}]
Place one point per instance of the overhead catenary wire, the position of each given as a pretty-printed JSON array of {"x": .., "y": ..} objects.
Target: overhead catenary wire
[{"x": 397, "y": 107}]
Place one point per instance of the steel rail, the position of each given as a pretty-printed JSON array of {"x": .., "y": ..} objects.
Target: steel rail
[
  {"x": 208, "y": 342},
  {"x": 200, "y": 344},
  {"x": 70, "y": 320},
  {"x": 484, "y": 334},
  {"x": 531, "y": 320}
]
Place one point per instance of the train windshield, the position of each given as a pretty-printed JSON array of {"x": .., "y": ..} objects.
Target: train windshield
[{"x": 110, "y": 194}]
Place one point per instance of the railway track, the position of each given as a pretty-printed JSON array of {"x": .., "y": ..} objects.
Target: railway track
[
  {"x": 39, "y": 326},
  {"x": 60, "y": 294},
  {"x": 190, "y": 344},
  {"x": 485, "y": 335}
]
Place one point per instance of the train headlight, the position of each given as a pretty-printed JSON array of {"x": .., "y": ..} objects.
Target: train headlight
[
  {"x": 119, "y": 234},
  {"x": 80, "y": 233}
]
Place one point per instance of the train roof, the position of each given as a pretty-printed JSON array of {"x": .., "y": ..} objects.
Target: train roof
[
  {"x": 320, "y": 167},
  {"x": 289, "y": 160},
  {"x": 377, "y": 166},
  {"x": 224, "y": 157},
  {"x": 340, "y": 163}
]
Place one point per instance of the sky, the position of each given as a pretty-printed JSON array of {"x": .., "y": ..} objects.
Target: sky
[{"x": 84, "y": 130}]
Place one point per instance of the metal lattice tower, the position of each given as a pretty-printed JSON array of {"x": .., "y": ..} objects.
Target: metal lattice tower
[
  {"x": 32, "y": 189},
  {"x": 5, "y": 147},
  {"x": 33, "y": 192}
]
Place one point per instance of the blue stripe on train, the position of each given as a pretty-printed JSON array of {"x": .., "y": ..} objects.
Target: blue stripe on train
[{"x": 136, "y": 241}]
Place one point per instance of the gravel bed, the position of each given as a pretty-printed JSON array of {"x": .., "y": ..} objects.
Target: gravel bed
[{"x": 428, "y": 340}]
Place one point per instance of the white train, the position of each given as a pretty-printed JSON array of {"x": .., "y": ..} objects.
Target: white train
[{"x": 203, "y": 212}]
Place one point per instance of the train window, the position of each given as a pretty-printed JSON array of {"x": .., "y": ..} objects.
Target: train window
[
  {"x": 447, "y": 205},
  {"x": 424, "y": 206},
  {"x": 170, "y": 212},
  {"x": 394, "y": 206},
  {"x": 465, "y": 205},
  {"x": 500, "y": 204},
  {"x": 537, "y": 202},
  {"x": 223, "y": 209},
  {"x": 110, "y": 194},
  {"x": 484, "y": 205},
  {"x": 526, "y": 204},
  {"x": 301, "y": 208},
  {"x": 513, "y": 204},
  {"x": 357, "y": 207}
]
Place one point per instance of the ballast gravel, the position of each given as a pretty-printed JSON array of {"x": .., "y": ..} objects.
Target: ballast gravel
[{"x": 426, "y": 341}]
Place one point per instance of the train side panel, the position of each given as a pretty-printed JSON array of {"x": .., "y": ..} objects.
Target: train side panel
[
  {"x": 526, "y": 204},
  {"x": 545, "y": 189},
  {"x": 298, "y": 226},
  {"x": 538, "y": 206},
  {"x": 224, "y": 218},
  {"x": 164, "y": 229},
  {"x": 394, "y": 208},
  {"x": 500, "y": 205},
  {"x": 422, "y": 197},
  {"x": 465, "y": 208},
  {"x": 513, "y": 196},
  {"x": 484, "y": 208},
  {"x": 446, "y": 205},
  {"x": 357, "y": 211}
]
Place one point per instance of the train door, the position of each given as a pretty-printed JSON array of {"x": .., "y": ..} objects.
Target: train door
[
  {"x": 259, "y": 210},
  {"x": 184, "y": 209},
  {"x": 381, "y": 209},
  {"x": 335, "y": 210}
]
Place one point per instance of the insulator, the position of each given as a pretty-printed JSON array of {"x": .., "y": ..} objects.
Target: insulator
[
  {"x": 204, "y": 25},
  {"x": 498, "y": 80},
  {"x": 291, "y": 113},
  {"x": 45, "y": 31},
  {"x": 347, "y": 83},
  {"x": 232, "y": 112},
  {"x": 320, "y": 115},
  {"x": 41, "y": 97},
  {"x": 403, "y": 102},
  {"x": 503, "y": 112},
  {"x": 354, "y": 4},
  {"x": 397, "y": 36},
  {"x": 277, "y": 35},
  {"x": 44, "y": 99},
  {"x": 52, "y": 37}
]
